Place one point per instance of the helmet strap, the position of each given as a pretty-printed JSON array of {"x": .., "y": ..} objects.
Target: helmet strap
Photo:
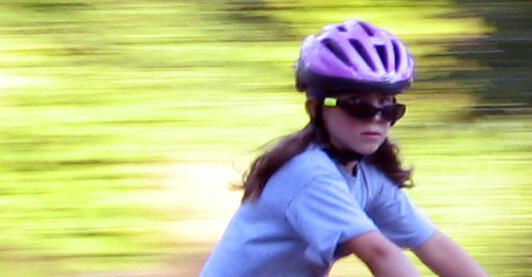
[{"x": 343, "y": 156}]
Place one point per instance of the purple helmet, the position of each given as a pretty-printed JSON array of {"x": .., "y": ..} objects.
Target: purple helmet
[{"x": 353, "y": 56}]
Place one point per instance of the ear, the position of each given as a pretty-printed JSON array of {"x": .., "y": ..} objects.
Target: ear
[{"x": 311, "y": 106}]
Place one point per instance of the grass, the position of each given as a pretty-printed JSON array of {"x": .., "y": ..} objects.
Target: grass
[{"x": 123, "y": 123}]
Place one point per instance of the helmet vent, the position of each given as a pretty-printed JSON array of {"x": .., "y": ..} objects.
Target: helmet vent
[
  {"x": 381, "y": 50},
  {"x": 362, "y": 52},
  {"x": 341, "y": 28},
  {"x": 396, "y": 55},
  {"x": 336, "y": 50},
  {"x": 367, "y": 29}
]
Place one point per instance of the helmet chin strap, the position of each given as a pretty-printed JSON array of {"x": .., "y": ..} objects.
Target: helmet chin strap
[{"x": 341, "y": 156}]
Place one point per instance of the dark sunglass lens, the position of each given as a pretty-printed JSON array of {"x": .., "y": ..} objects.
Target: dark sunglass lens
[
  {"x": 366, "y": 111},
  {"x": 393, "y": 112},
  {"x": 362, "y": 110}
]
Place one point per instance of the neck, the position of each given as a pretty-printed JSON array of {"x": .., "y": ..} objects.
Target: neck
[{"x": 351, "y": 168}]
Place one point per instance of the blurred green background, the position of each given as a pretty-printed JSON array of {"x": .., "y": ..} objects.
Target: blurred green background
[{"x": 123, "y": 122}]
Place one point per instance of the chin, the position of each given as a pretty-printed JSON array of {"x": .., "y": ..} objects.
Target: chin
[{"x": 366, "y": 150}]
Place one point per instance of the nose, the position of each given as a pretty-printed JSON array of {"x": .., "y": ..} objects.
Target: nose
[{"x": 378, "y": 118}]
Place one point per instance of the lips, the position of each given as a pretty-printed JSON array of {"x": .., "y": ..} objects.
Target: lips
[{"x": 370, "y": 133}]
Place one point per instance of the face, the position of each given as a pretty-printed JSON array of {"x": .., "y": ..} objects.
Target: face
[{"x": 360, "y": 135}]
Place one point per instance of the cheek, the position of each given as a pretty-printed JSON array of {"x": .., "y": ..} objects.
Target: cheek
[
  {"x": 339, "y": 124},
  {"x": 333, "y": 120}
]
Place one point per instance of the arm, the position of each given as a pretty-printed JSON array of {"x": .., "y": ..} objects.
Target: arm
[
  {"x": 445, "y": 258},
  {"x": 382, "y": 257}
]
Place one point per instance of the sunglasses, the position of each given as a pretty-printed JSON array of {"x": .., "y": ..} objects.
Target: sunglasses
[{"x": 364, "y": 111}]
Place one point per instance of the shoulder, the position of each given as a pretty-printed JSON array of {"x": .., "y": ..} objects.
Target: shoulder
[
  {"x": 311, "y": 163},
  {"x": 374, "y": 175},
  {"x": 375, "y": 186},
  {"x": 371, "y": 169},
  {"x": 311, "y": 167}
]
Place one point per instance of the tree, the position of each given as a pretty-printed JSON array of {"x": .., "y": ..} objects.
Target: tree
[{"x": 504, "y": 80}]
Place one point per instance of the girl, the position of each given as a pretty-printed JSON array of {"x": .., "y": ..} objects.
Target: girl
[{"x": 334, "y": 187}]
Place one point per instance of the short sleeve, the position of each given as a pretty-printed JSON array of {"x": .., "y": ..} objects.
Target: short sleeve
[
  {"x": 325, "y": 215},
  {"x": 399, "y": 219}
]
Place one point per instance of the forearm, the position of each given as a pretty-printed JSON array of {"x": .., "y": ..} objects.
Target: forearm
[
  {"x": 392, "y": 265},
  {"x": 461, "y": 267},
  {"x": 383, "y": 258},
  {"x": 447, "y": 259}
]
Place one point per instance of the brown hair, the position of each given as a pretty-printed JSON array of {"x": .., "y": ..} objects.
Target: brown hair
[{"x": 386, "y": 158}]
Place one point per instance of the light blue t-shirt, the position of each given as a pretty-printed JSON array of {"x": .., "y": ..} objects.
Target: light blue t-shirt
[{"x": 307, "y": 209}]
